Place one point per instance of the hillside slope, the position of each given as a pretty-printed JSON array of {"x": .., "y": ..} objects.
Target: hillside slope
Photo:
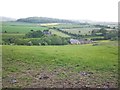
[{"x": 45, "y": 20}]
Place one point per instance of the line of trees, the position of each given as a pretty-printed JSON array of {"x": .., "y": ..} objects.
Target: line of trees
[
  {"x": 37, "y": 38},
  {"x": 112, "y": 35},
  {"x": 68, "y": 33}
]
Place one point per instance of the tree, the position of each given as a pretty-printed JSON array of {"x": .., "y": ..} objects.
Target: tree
[
  {"x": 21, "y": 42},
  {"x": 79, "y": 31},
  {"x": 31, "y": 30},
  {"x": 29, "y": 43},
  {"x": 5, "y": 32},
  {"x": 113, "y": 35},
  {"x": 93, "y": 33},
  {"x": 56, "y": 40},
  {"x": 103, "y": 31},
  {"x": 34, "y": 34},
  {"x": 47, "y": 40}
]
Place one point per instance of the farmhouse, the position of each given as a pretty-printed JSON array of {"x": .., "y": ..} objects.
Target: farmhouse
[
  {"x": 47, "y": 32},
  {"x": 81, "y": 41},
  {"x": 74, "y": 41}
]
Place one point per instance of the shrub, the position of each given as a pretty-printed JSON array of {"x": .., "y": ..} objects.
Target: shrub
[{"x": 34, "y": 34}]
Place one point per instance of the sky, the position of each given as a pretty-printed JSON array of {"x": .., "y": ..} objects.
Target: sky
[{"x": 95, "y": 10}]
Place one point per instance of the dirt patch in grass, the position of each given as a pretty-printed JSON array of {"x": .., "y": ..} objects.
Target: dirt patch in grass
[{"x": 60, "y": 78}]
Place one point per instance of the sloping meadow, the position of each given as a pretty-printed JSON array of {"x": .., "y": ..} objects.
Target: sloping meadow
[{"x": 60, "y": 66}]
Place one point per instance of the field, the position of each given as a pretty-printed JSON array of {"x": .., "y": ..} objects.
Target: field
[
  {"x": 70, "y": 66},
  {"x": 6, "y": 35},
  {"x": 81, "y": 31},
  {"x": 68, "y": 26},
  {"x": 61, "y": 66},
  {"x": 59, "y": 33},
  {"x": 20, "y": 27}
]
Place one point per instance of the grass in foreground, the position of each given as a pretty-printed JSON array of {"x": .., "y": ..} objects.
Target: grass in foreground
[{"x": 60, "y": 66}]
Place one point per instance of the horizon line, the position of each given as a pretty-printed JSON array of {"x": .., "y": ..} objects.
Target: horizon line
[{"x": 85, "y": 20}]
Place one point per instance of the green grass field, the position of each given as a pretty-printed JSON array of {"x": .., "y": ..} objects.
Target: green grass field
[
  {"x": 13, "y": 28},
  {"x": 69, "y": 66},
  {"x": 71, "y": 25},
  {"x": 61, "y": 66},
  {"x": 20, "y": 27},
  {"x": 83, "y": 31},
  {"x": 6, "y": 35},
  {"x": 59, "y": 33}
]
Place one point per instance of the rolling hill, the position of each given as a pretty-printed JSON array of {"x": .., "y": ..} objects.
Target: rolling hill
[{"x": 45, "y": 20}]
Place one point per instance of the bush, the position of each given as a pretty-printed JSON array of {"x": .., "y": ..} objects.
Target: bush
[
  {"x": 95, "y": 44},
  {"x": 21, "y": 42},
  {"x": 95, "y": 39},
  {"x": 56, "y": 40},
  {"x": 29, "y": 43},
  {"x": 34, "y": 34},
  {"x": 44, "y": 43}
]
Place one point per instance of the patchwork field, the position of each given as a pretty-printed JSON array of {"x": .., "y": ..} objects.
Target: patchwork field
[
  {"x": 69, "y": 66},
  {"x": 61, "y": 66},
  {"x": 18, "y": 29},
  {"x": 81, "y": 31},
  {"x": 68, "y": 26}
]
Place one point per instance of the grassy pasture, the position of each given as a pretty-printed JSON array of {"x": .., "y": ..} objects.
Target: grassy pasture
[
  {"x": 6, "y": 35},
  {"x": 63, "y": 64},
  {"x": 83, "y": 31},
  {"x": 59, "y": 33},
  {"x": 70, "y": 26},
  {"x": 17, "y": 27}
]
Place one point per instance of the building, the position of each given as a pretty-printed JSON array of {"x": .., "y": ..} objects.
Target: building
[
  {"x": 74, "y": 41},
  {"x": 47, "y": 32},
  {"x": 81, "y": 41}
]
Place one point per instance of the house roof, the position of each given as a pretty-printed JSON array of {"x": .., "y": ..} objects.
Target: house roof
[{"x": 74, "y": 40}]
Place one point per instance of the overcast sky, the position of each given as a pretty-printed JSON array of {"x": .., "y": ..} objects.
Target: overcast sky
[{"x": 96, "y": 10}]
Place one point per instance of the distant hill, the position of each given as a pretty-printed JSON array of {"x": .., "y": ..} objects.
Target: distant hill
[
  {"x": 6, "y": 19},
  {"x": 44, "y": 20}
]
